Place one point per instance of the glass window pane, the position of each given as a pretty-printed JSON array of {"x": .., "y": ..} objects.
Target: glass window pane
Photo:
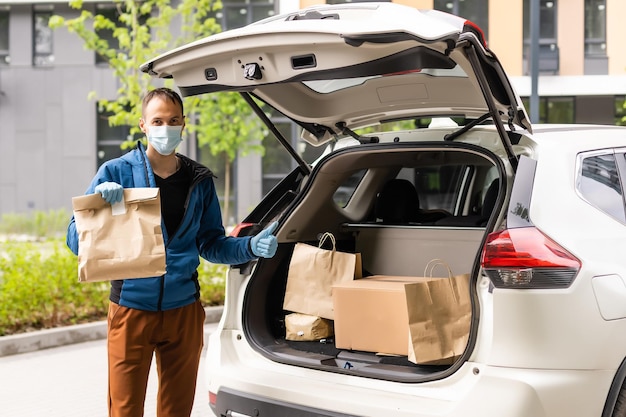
[
  {"x": 595, "y": 19},
  {"x": 600, "y": 185},
  {"x": 4, "y": 30},
  {"x": 109, "y": 12},
  {"x": 560, "y": 110},
  {"x": 236, "y": 16},
  {"x": 261, "y": 12},
  {"x": 620, "y": 110},
  {"x": 4, "y": 35},
  {"x": 342, "y": 196},
  {"x": 476, "y": 11},
  {"x": 108, "y": 152},
  {"x": 109, "y": 138},
  {"x": 547, "y": 20},
  {"x": 42, "y": 38},
  {"x": 438, "y": 187},
  {"x": 595, "y": 27}
]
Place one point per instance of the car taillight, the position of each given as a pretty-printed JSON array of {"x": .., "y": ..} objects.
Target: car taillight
[
  {"x": 526, "y": 258},
  {"x": 212, "y": 399},
  {"x": 237, "y": 229}
]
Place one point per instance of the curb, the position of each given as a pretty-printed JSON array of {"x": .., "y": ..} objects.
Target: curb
[{"x": 60, "y": 336}]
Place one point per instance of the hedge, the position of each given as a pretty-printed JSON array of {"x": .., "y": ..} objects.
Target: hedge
[{"x": 39, "y": 285}]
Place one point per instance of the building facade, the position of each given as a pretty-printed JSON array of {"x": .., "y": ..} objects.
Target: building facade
[{"x": 54, "y": 138}]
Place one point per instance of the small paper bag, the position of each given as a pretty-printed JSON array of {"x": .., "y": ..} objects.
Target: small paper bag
[
  {"x": 303, "y": 327},
  {"x": 122, "y": 241},
  {"x": 312, "y": 273}
]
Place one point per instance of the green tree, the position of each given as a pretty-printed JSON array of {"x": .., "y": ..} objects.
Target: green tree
[{"x": 138, "y": 31}]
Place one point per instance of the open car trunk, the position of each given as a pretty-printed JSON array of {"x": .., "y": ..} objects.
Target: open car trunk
[{"x": 456, "y": 202}]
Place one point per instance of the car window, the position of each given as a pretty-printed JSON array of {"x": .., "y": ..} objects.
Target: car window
[
  {"x": 346, "y": 189},
  {"x": 439, "y": 187},
  {"x": 599, "y": 184}
]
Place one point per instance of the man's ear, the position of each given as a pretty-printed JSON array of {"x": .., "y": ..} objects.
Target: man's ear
[{"x": 142, "y": 125}]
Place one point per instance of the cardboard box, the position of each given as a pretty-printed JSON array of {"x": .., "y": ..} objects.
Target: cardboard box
[{"x": 371, "y": 314}]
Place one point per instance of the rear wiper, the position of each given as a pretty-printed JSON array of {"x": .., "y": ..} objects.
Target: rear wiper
[
  {"x": 362, "y": 139},
  {"x": 451, "y": 136}
]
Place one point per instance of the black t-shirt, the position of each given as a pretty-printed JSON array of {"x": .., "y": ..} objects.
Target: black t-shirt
[{"x": 173, "y": 190}]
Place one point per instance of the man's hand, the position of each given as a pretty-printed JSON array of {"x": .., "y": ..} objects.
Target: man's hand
[
  {"x": 111, "y": 192},
  {"x": 265, "y": 244}
]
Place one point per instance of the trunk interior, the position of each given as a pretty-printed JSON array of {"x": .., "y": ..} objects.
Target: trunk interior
[{"x": 357, "y": 195}]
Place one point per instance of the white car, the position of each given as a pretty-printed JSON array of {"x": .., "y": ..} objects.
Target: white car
[{"x": 535, "y": 215}]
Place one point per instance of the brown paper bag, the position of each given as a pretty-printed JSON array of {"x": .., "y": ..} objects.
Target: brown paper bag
[
  {"x": 119, "y": 241},
  {"x": 312, "y": 273},
  {"x": 439, "y": 311},
  {"x": 304, "y": 327}
]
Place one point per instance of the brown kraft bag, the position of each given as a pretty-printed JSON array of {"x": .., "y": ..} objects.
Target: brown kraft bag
[
  {"x": 312, "y": 273},
  {"x": 119, "y": 241},
  {"x": 439, "y": 313}
]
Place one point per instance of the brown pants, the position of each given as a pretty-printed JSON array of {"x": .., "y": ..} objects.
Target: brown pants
[{"x": 133, "y": 336}]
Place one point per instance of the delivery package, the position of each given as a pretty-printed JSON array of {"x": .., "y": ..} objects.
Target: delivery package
[
  {"x": 312, "y": 273},
  {"x": 371, "y": 315},
  {"x": 424, "y": 318},
  {"x": 440, "y": 314},
  {"x": 119, "y": 241},
  {"x": 304, "y": 327}
]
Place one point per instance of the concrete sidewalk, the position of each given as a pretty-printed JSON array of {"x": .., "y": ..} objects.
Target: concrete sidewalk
[{"x": 59, "y": 336}]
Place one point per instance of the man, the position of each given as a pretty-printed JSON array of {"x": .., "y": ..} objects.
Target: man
[{"x": 163, "y": 315}]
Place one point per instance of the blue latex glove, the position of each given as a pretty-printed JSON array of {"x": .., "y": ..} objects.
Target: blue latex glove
[
  {"x": 111, "y": 192},
  {"x": 265, "y": 244}
]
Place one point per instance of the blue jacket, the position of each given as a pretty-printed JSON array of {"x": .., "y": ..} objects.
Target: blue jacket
[{"x": 201, "y": 233}]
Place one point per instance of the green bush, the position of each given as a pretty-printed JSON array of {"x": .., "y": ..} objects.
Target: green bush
[
  {"x": 38, "y": 224},
  {"x": 39, "y": 285}
]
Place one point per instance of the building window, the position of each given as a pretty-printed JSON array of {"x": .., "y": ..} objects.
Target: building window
[
  {"x": 596, "y": 61},
  {"x": 4, "y": 35},
  {"x": 548, "y": 47},
  {"x": 595, "y": 27},
  {"x": 109, "y": 138},
  {"x": 42, "y": 36},
  {"x": 554, "y": 109},
  {"x": 620, "y": 110},
  {"x": 108, "y": 11},
  {"x": 476, "y": 11},
  {"x": 235, "y": 14}
]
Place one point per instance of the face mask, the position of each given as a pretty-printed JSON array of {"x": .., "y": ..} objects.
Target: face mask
[{"x": 165, "y": 139}]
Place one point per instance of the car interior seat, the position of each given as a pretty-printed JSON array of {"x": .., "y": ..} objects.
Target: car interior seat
[
  {"x": 397, "y": 202},
  {"x": 489, "y": 201}
]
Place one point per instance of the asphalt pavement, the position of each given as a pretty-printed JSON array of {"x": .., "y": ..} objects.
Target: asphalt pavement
[{"x": 63, "y": 373}]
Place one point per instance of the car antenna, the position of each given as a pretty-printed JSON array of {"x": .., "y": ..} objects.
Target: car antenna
[{"x": 362, "y": 139}]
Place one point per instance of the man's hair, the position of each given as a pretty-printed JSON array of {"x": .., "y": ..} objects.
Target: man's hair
[{"x": 162, "y": 93}]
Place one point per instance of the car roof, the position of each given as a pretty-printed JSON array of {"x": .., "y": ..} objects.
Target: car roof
[
  {"x": 580, "y": 137},
  {"x": 350, "y": 66}
]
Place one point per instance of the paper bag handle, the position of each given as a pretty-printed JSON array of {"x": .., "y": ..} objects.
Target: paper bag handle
[
  {"x": 327, "y": 235},
  {"x": 432, "y": 264}
]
